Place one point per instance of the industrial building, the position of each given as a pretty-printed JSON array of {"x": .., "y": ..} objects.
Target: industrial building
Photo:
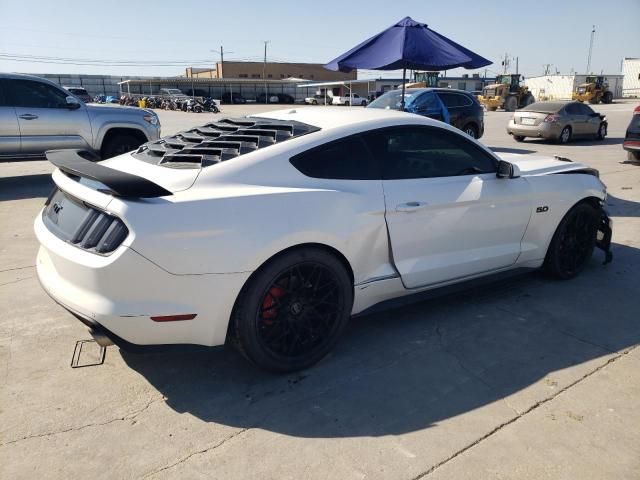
[
  {"x": 631, "y": 73},
  {"x": 269, "y": 70},
  {"x": 561, "y": 87}
]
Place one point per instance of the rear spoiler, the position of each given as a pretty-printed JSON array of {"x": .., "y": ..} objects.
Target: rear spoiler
[{"x": 81, "y": 163}]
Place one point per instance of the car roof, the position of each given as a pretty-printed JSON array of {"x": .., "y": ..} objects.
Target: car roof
[
  {"x": 328, "y": 118},
  {"x": 434, "y": 89}
]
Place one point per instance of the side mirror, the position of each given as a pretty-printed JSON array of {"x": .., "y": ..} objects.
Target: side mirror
[
  {"x": 507, "y": 170},
  {"x": 72, "y": 103}
]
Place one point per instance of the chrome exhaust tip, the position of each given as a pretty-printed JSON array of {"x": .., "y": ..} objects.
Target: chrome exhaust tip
[{"x": 100, "y": 338}]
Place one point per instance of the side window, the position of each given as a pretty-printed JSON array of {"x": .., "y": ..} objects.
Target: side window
[
  {"x": 3, "y": 93},
  {"x": 453, "y": 100},
  {"x": 427, "y": 152},
  {"x": 32, "y": 94},
  {"x": 585, "y": 109},
  {"x": 346, "y": 159},
  {"x": 572, "y": 109},
  {"x": 427, "y": 101}
]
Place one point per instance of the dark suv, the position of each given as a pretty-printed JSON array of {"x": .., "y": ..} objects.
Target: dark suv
[
  {"x": 464, "y": 110},
  {"x": 632, "y": 138}
]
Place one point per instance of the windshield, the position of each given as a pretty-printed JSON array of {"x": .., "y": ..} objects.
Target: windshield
[
  {"x": 391, "y": 99},
  {"x": 174, "y": 91}
]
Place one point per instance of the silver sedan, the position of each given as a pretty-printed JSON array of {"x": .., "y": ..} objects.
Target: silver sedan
[{"x": 560, "y": 121}]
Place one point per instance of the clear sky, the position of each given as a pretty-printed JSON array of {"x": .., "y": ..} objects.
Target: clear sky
[{"x": 169, "y": 35}]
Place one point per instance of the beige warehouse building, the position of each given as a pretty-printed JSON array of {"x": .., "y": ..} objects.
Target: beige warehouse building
[{"x": 272, "y": 70}]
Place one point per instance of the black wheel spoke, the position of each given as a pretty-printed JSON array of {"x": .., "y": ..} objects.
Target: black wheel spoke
[{"x": 300, "y": 310}]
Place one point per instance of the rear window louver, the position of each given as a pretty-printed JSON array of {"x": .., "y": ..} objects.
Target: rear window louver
[{"x": 219, "y": 141}]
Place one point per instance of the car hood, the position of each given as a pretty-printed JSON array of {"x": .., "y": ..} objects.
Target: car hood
[
  {"x": 116, "y": 110},
  {"x": 540, "y": 164}
]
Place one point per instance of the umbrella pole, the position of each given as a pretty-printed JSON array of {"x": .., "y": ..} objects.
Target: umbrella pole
[{"x": 404, "y": 75}]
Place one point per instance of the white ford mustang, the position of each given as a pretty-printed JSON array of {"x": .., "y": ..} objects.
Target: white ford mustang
[{"x": 270, "y": 231}]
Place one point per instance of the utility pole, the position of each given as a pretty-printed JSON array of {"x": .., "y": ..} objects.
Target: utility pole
[
  {"x": 517, "y": 65},
  {"x": 221, "y": 62},
  {"x": 505, "y": 62},
  {"x": 593, "y": 33},
  {"x": 264, "y": 72}
]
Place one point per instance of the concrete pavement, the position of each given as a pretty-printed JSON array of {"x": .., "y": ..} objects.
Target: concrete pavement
[{"x": 525, "y": 378}]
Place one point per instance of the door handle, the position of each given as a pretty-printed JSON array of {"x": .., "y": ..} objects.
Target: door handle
[
  {"x": 28, "y": 116},
  {"x": 410, "y": 206}
]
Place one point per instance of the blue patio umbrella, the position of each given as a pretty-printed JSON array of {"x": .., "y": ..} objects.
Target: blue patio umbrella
[{"x": 407, "y": 44}]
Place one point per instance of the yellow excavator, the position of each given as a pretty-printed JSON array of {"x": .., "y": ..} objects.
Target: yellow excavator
[
  {"x": 593, "y": 90},
  {"x": 506, "y": 93}
]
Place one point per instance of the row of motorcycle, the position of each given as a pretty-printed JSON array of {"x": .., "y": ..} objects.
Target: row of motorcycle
[{"x": 196, "y": 105}]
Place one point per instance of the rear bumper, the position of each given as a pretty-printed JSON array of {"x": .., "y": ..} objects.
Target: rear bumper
[
  {"x": 631, "y": 145},
  {"x": 544, "y": 130},
  {"x": 118, "y": 294}
]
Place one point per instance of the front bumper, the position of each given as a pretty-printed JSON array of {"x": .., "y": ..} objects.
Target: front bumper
[
  {"x": 546, "y": 130},
  {"x": 603, "y": 239},
  {"x": 120, "y": 293}
]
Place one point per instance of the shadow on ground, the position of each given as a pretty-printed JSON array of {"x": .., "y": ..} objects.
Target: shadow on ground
[
  {"x": 619, "y": 207},
  {"x": 578, "y": 142},
  {"x": 25, "y": 186},
  {"x": 408, "y": 369}
]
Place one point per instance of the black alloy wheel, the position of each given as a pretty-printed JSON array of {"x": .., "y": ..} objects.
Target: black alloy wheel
[
  {"x": 470, "y": 130},
  {"x": 573, "y": 242},
  {"x": 292, "y": 313}
]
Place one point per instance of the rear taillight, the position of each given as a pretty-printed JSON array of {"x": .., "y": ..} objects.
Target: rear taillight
[
  {"x": 552, "y": 118},
  {"x": 636, "y": 111}
]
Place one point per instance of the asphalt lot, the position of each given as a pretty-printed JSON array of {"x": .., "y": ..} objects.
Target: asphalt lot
[{"x": 525, "y": 378}]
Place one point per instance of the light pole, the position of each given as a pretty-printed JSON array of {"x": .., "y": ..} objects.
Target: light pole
[{"x": 593, "y": 33}]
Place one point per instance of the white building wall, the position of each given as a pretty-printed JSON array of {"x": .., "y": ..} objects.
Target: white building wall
[
  {"x": 561, "y": 87},
  {"x": 631, "y": 74},
  {"x": 551, "y": 87}
]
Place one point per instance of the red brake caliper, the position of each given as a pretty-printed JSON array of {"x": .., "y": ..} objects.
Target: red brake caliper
[{"x": 269, "y": 310}]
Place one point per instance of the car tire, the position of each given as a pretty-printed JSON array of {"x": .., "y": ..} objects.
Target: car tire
[
  {"x": 633, "y": 156},
  {"x": 314, "y": 102},
  {"x": 364, "y": 103},
  {"x": 565, "y": 135},
  {"x": 119, "y": 144},
  {"x": 301, "y": 297},
  {"x": 347, "y": 104},
  {"x": 573, "y": 242},
  {"x": 518, "y": 138},
  {"x": 471, "y": 130},
  {"x": 510, "y": 104},
  {"x": 602, "y": 132}
]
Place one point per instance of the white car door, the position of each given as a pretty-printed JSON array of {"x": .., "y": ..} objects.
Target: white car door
[
  {"x": 45, "y": 119},
  {"x": 448, "y": 215}
]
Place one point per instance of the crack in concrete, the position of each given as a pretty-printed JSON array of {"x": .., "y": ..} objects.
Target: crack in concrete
[
  {"x": 564, "y": 332},
  {"x": 16, "y": 281},
  {"x": 521, "y": 415},
  {"x": 464, "y": 367},
  {"x": 17, "y": 268},
  {"x": 197, "y": 452},
  {"x": 128, "y": 416}
]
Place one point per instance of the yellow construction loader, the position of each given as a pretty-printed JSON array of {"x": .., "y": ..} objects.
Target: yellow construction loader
[
  {"x": 506, "y": 93},
  {"x": 593, "y": 90}
]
